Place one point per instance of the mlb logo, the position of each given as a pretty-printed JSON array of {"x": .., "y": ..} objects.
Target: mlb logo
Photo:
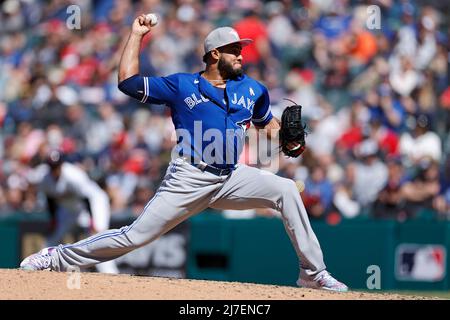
[{"x": 420, "y": 262}]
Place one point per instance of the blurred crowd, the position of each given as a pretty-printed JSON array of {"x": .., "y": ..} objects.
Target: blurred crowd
[{"x": 374, "y": 89}]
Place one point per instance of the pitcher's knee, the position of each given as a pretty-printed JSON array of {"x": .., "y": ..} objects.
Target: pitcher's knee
[{"x": 288, "y": 187}]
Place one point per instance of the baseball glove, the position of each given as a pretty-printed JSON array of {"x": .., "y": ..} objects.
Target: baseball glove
[{"x": 292, "y": 131}]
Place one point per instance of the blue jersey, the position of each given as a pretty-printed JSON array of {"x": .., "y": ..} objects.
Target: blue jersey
[{"x": 210, "y": 123}]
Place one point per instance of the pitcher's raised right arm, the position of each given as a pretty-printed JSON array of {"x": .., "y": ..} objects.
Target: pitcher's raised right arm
[{"x": 129, "y": 61}]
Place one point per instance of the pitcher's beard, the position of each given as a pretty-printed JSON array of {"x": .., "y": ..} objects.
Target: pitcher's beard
[{"x": 226, "y": 70}]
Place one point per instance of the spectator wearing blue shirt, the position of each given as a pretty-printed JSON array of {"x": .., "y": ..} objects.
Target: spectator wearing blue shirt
[{"x": 318, "y": 194}]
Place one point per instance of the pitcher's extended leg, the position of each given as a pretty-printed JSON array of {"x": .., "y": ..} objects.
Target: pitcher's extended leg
[
  {"x": 183, "y": 193},
  {"x": 249, "y": 188}
]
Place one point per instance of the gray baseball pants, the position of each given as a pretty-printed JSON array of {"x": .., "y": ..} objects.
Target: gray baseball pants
[{"x": 185, "y": 191}]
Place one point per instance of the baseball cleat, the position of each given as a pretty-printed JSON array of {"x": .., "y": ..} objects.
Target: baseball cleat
[
  {"x": 38, "y": 261},
  {"x": 323, "y": 280}
]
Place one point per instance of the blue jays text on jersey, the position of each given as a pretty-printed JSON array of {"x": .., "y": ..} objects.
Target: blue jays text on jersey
[{"x": 210, "y": 122}]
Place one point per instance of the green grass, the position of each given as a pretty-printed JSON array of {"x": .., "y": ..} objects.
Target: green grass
[
  {"x": 417, "y": 293},
  {"x": 436, "y": 294}
]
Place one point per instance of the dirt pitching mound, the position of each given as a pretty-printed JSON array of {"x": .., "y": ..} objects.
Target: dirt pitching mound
[{"x": 46, "y": 285}]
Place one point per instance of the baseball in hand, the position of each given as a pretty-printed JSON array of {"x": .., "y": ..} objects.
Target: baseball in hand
[
  {"x": 300, "y": 185},
  {"x": 152, "y": 19}
]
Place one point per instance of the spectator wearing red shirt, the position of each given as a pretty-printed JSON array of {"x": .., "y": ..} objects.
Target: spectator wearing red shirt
[
  {"x": 387, "y": 139},
  {"x": 251, "y": 26}
]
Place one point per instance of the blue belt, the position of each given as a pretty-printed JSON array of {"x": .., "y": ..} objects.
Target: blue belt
[{"x": 211, "y": 169}]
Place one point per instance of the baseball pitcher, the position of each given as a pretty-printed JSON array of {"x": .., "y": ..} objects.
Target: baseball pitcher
[{"x": 217, "y": 102}]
